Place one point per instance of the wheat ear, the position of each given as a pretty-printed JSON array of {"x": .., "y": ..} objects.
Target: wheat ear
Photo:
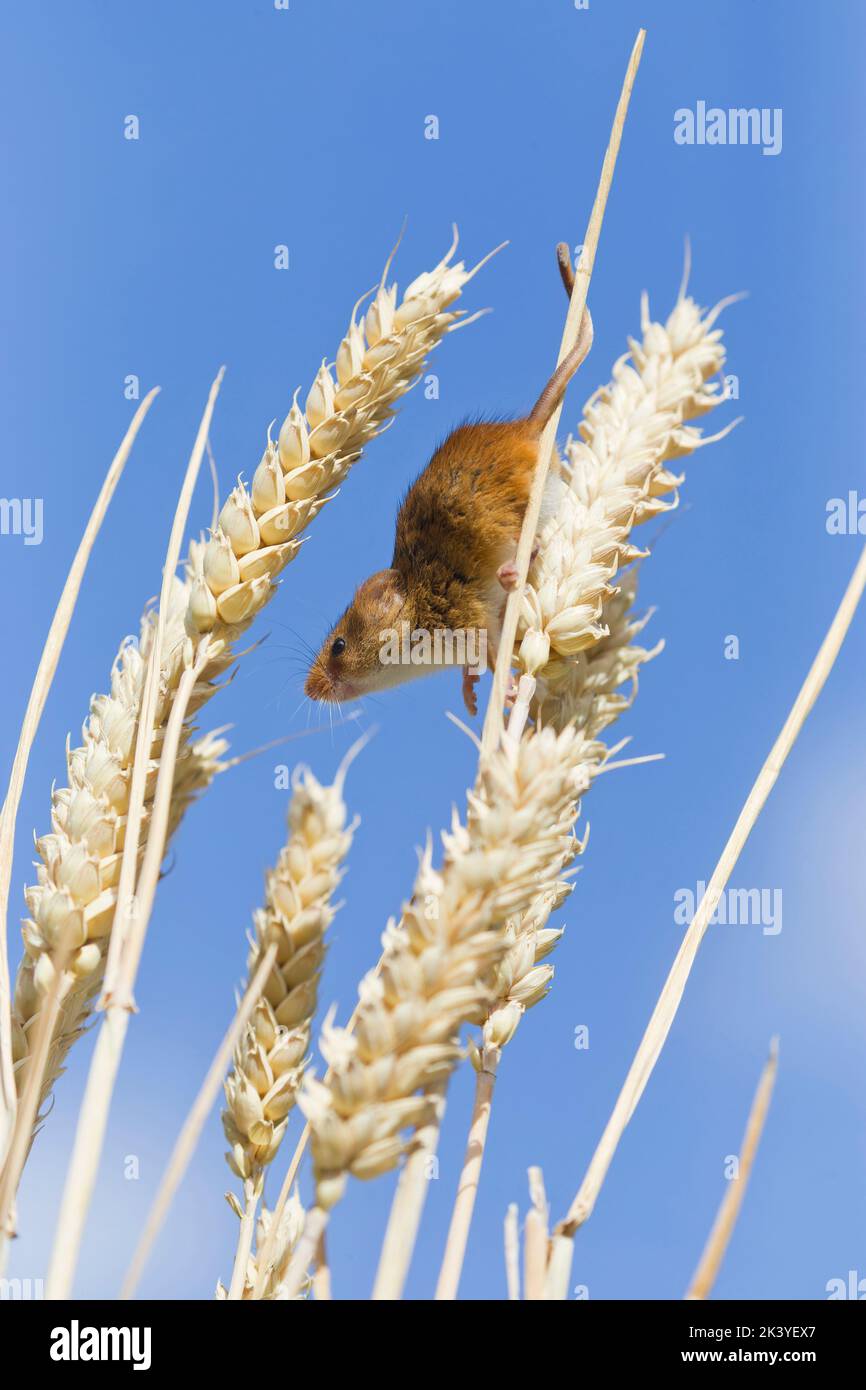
[
  {"x": 105, "y": 1061},
  {"x": 615, "y": 477},
  {"x": 562, "y": 1243},
  {"x": 35, "y": 705},
  {"x": 616, "y": 481},
  {"x": 227, "y": 581},
  {"x": 435, "y": 971},
  {"x": 219, "y": 609},
  {"x": 271, "y": 1054}
]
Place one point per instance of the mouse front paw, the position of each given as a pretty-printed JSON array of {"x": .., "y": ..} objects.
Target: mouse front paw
[
  {"x": 507, "y": 575},
  {"x": 470, "y": 699}
]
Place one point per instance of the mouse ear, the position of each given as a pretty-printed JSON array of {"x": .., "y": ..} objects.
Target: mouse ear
[{"x": 384, "y": 591}]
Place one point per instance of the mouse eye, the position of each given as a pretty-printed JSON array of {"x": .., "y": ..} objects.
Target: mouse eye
[{"x": 338, "y": 647}]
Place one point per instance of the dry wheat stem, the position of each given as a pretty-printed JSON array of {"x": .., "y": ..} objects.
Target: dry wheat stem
[
  {"x": 120, "y": 994},
  {"x": 102, "y": 1075},
  {"x": 227, "y": 583},
  {"x": 719, "y": 1238},
  {"x": 493, "y": 721},
  {"x": 315, "y": 1225},
  {"x": 404, "y": 1219},
  {"x": 33, "y": 714},
  {"x": 535, "y": 1239},
  {"x": 511, "y": 1242},
  {"x": 666, "y": 1008},
  {"x": 464, "y": 1202},
  {"x": 252, "y": 1192},
  {"x": 189, "y": 1135},
  {"x": 81, "y": 1175},
  {"x": 322, "y": 1275}
]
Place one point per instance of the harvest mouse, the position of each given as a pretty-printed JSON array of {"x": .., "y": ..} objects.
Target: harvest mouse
[{"x": 454, "y": 552}]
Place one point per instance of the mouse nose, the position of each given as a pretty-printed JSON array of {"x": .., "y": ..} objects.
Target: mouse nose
[{"x": 317, "y": 685}]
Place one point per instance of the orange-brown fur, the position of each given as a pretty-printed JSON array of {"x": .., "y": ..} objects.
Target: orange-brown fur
[
  {"x": 459, "y": 523},
  {"x": 461, "y": 519}
]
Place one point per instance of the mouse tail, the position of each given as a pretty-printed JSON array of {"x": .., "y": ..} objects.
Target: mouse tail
[
  {"x": 555, "y": 388},
  {"x": 563, "y": 260}
]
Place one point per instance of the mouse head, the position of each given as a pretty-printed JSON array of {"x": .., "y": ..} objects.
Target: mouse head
[{"x": 350, "y": 663}]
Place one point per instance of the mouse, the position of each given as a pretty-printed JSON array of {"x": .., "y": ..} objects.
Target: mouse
[{"x": 441, "y": 601}]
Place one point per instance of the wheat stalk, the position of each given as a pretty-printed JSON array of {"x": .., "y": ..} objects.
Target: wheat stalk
[
  {"x": 719, "y": 1238},
  {"x": 576, "y": 306},
  {"x": 535, "y": 1236},
  {"x": 511, "y": 1243},
  {"x": 562, "y": 1242}
]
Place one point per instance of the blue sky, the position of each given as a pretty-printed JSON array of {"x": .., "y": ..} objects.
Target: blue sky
[{"x": 155, "y": 257}]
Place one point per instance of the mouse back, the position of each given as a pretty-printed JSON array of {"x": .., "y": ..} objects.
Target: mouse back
[{"x": 469, "y": 501}]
